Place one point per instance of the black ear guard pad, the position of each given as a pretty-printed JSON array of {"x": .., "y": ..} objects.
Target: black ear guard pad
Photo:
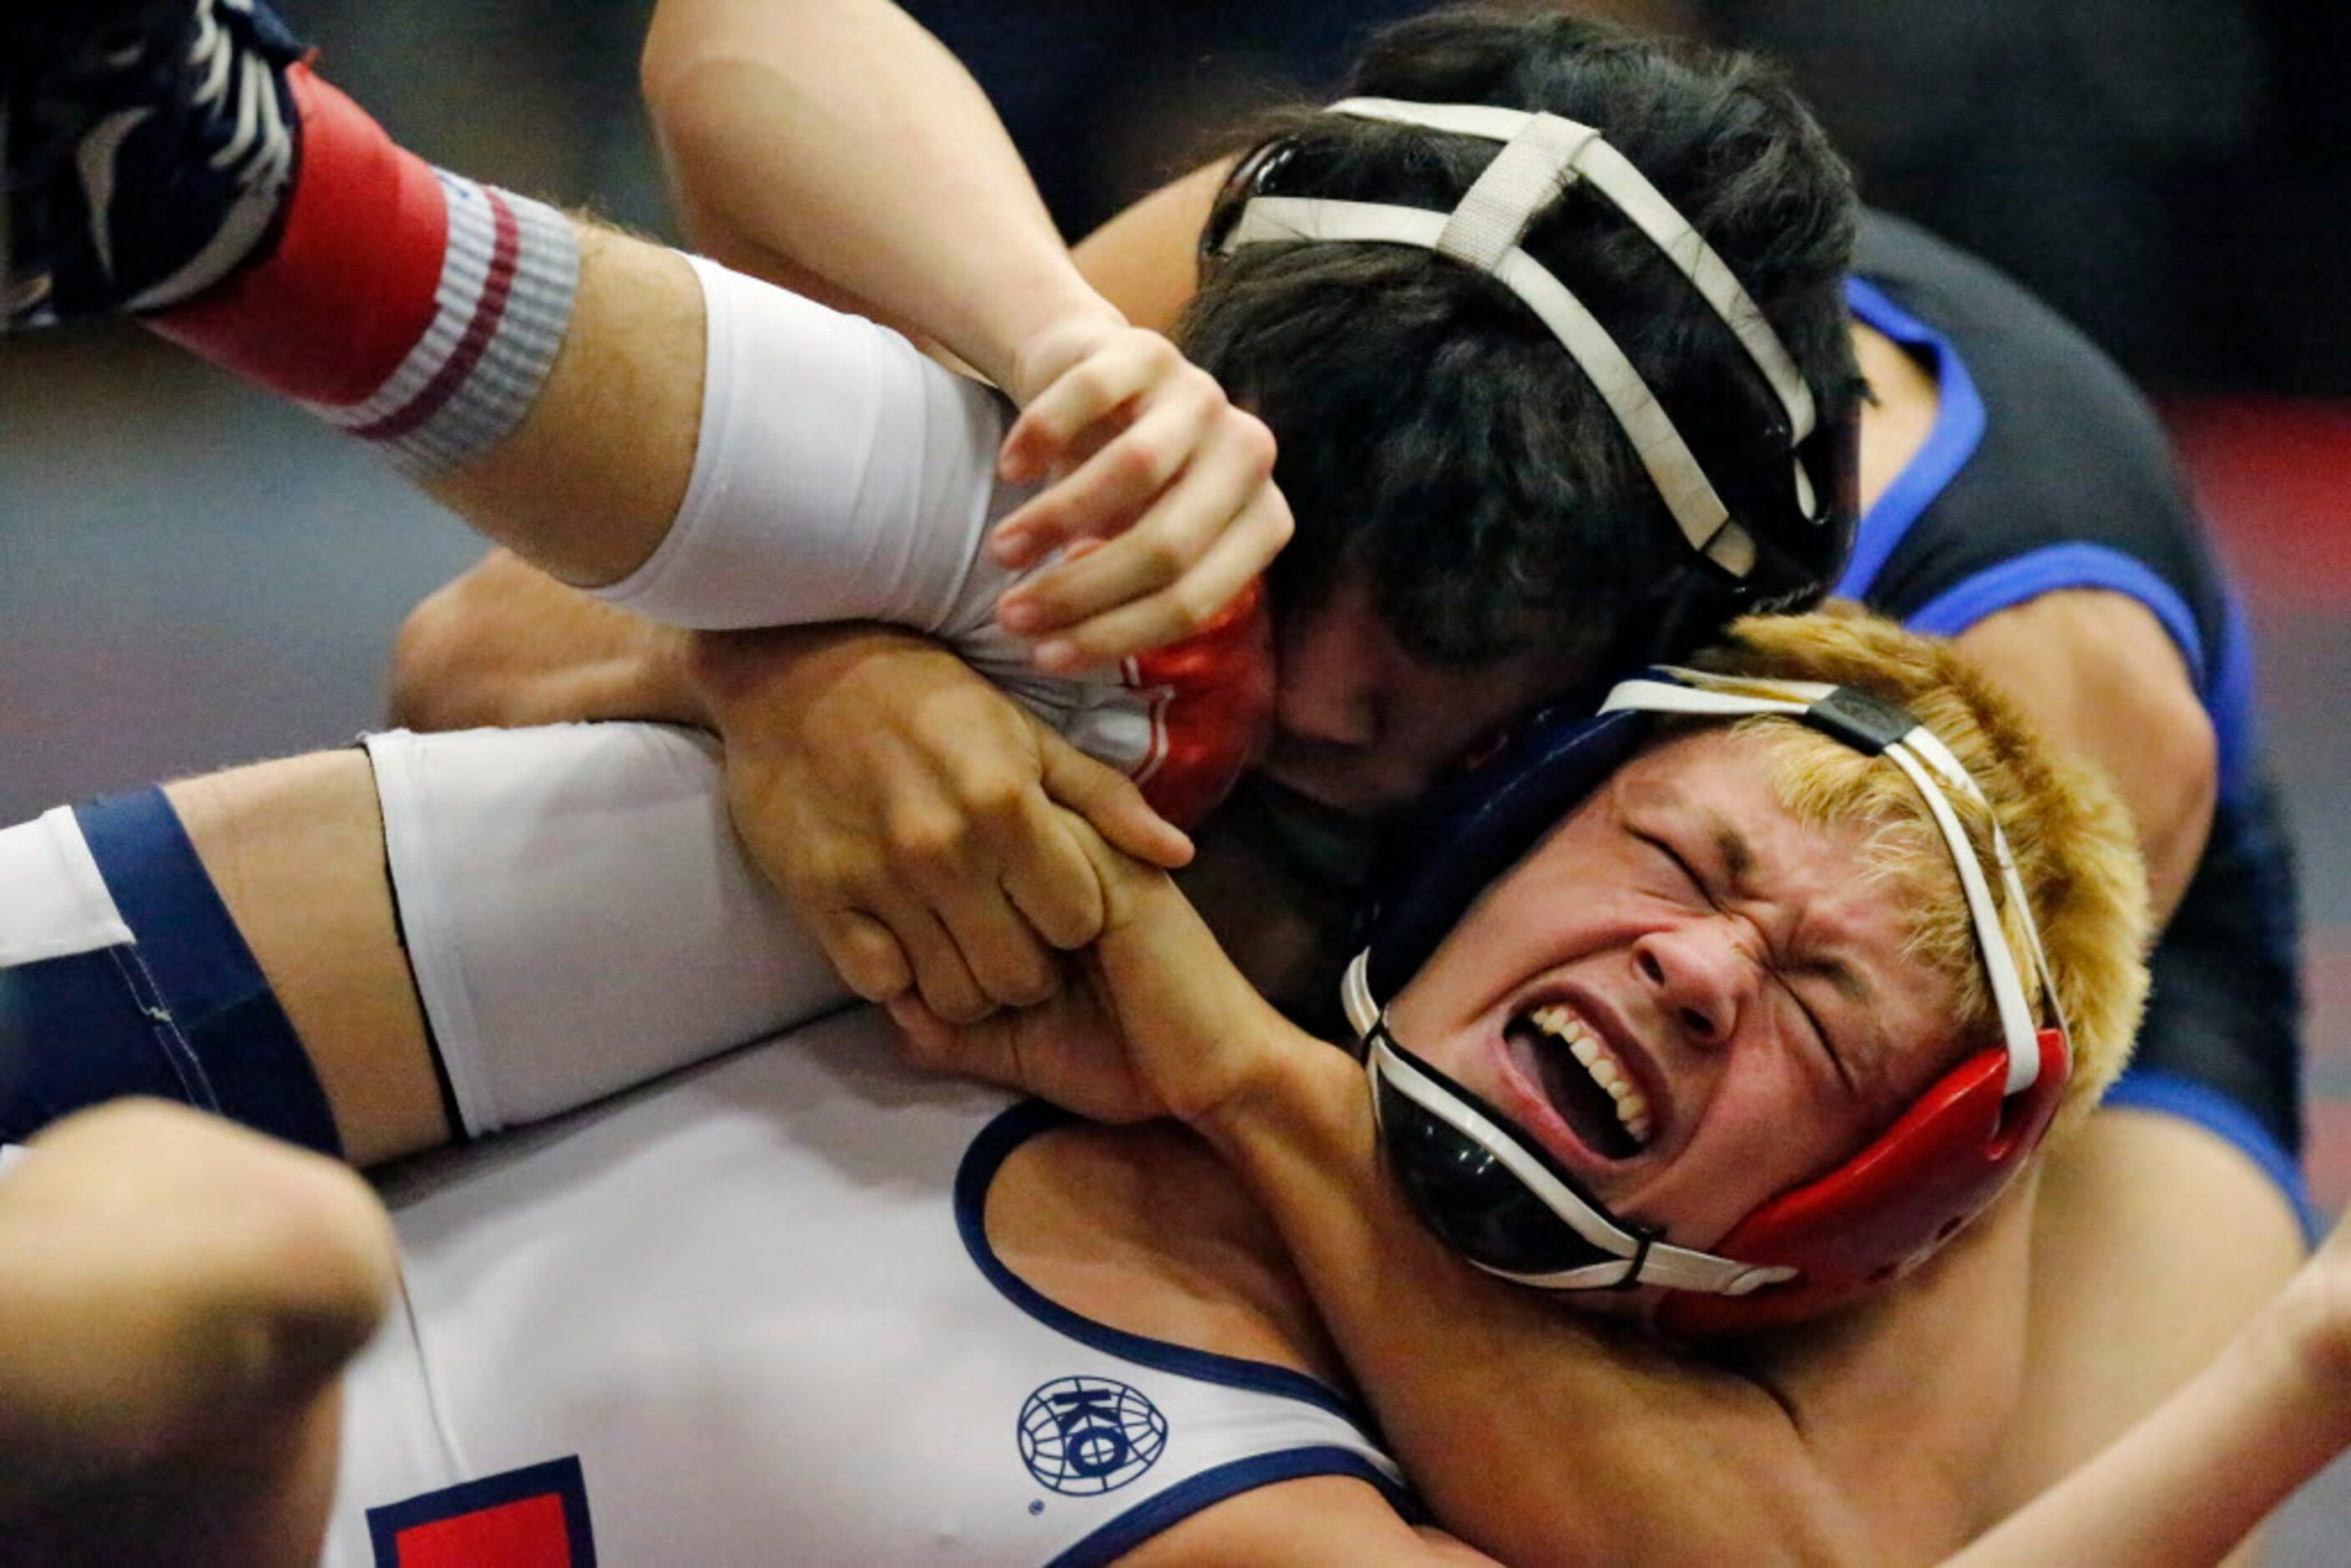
[
  {"x": 1465, "y": 1193},
  {"x": 1477, "y": 827}
]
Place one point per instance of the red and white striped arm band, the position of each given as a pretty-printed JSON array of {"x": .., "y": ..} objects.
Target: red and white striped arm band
[{"x": 508, "y": 278}]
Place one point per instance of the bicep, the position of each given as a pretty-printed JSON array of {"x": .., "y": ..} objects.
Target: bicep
[
  {"x": 1145, "y": 260},
  {"x": 2101, "y": 677},
  {"x": 1332, "y": 1519}
]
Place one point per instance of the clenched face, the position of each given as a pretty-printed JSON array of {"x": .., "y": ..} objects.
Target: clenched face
[{"x": 1688, "y": 998}]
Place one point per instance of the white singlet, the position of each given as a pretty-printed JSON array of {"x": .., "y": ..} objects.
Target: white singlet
[{"x": 750, "y": 1316}]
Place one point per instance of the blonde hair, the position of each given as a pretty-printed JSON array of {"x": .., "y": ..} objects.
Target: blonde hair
[{"x": 2076, "y": 853}]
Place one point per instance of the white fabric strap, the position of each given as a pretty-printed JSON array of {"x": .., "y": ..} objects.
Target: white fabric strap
[
  {"x": 1689, "y": 495},
  {"x": 1937, "y": 773},
  {"x": 1615, "y": 176},
  {"x": 1524, "y": 178}
]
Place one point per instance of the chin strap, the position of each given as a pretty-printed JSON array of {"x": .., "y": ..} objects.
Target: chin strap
[
  {"x": 1468, "y": 1138},
  {"x": 1637, "y": 1255}
]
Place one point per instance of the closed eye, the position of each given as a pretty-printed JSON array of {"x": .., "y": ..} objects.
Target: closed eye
[
  {"x": 1681, "y": 867},
  {"x": 1690, "y": 876},
  {"x": 1819, "y": 1035}
]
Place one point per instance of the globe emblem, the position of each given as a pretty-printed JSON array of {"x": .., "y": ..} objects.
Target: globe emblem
[{"x": 1086, "y": 1436}]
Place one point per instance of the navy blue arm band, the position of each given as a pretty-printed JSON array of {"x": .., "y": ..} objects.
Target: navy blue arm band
[{"x": 182, "y": 1012}]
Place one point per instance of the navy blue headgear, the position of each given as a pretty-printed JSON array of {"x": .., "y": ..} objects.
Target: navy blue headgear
[{"x": 1506, "y": 1206}]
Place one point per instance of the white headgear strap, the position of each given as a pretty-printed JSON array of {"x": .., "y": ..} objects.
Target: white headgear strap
[
  {"x": 1636, "y": 1258},
  {"x": 1938, "y": 774},
  {"x": 1542, "y": 155}
]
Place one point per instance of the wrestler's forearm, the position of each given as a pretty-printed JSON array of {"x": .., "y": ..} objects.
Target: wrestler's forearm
[
  {"x": 837, "y": 137},
  {"x": 2192, "y": 1479},
  {"x": 506, "y": 645},
  {"x": 1534, "y": 1436}
]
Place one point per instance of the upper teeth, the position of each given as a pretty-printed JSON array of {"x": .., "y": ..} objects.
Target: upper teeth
[{"x": 1631, "y": 1106}]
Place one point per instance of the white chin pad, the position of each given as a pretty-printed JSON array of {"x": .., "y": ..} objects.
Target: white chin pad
[{"x": 579, "y": 914}]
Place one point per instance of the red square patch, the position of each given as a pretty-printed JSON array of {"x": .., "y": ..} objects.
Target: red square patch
[{"x": 532, "y": 1517}]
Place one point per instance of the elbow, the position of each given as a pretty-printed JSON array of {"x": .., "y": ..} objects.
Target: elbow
[
  {"x": 429, "y": 689},
  {"x": 2175, "y": 817}
]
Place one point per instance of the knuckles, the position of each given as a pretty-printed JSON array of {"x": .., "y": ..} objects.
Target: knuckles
[{"x": 1252, "y": 439}]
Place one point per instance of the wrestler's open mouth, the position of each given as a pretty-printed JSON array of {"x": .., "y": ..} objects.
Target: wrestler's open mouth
[{"x": 1581, "y": 1079}]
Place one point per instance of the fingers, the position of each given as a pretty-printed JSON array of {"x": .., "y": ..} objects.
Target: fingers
[
  {"x": 1110, "y": 802},
  {"x": 1130, "y": 595},
  {"x": 891, "y": 931},
  {"x": 1104, "y": 491},
  {"x": 1098, "y": 384},
  {"x": 1173, "y": 483},
  {"x": 864, "y": 953}
]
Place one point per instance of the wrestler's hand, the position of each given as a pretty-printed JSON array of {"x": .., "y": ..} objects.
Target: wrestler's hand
[
  {"x": 1162, "y": 1025},
  {"x": 918, "y": 820},
  {"x": 185, "y": 1282},
  {"x": 1153, "y": 467}
]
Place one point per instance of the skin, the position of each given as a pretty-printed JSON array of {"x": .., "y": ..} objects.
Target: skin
[
  {"x": 194, "y": 1289},
  {"x": 1767, "y": 1015},
  {"x": 1363, "y": 727},
  {"x": 1269, "y": 1091}
]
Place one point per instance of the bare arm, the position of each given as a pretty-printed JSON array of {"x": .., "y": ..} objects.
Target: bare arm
[
  {"x": 2185, "y": 1485},
  {"x": 837, "y": 137},
  {"x": 2101, "y": 677},
  {"x": 506, "y": 645}
]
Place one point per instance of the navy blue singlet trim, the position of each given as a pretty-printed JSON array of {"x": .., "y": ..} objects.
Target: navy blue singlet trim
[
  {"x": 985, "y": 1157},
  {"x": 1958, "y": 430},
  {"x": 220, "y": 1004},
  {"x": 2236, "y": 715},
  {"x": 2062, "y": 566},
  {"x": 2149, "y": 1089},
  {"x": 1186, "y": 1497}
]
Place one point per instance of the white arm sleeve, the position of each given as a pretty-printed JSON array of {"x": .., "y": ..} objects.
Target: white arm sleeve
[
  {"x": 839, "y": 475},
  {"x": 578, "y": 913}
]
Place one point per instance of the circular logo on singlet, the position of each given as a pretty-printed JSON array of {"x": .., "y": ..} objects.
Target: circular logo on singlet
[{"x": 1086, "y": 1436}]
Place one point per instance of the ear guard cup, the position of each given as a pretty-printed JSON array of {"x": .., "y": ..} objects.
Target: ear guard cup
[
  {"x": 1487, "y": 1188},
  {"x": 1891, "y": 1205}
]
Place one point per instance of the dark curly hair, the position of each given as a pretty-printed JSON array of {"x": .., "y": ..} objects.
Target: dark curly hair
[{"x": 1434, "y": 433}]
